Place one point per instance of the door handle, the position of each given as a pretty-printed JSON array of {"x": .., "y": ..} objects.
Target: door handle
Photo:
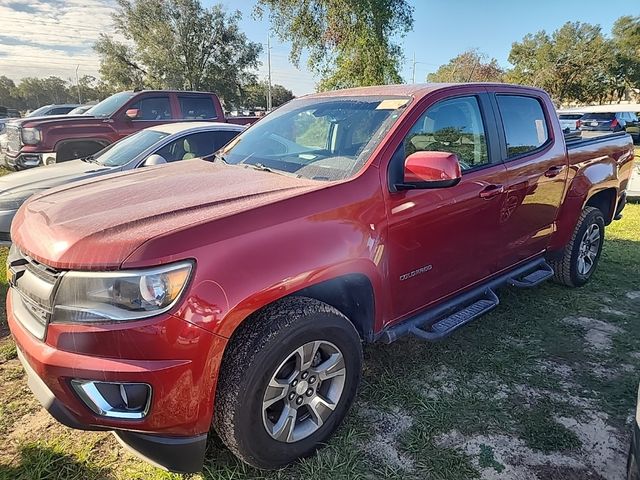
[
  {"x": 554, "y": 171},
  {"x": 491, "y": 191}
]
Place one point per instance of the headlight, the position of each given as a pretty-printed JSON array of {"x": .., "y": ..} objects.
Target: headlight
[
  {"x": 123, "y": 295},
  {"x": 31, "y": 136}
]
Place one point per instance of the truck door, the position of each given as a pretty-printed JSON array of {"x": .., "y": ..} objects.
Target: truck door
[
  {"x": 153, "y": 109},
  {"x": 445, "y": 239},
  {"x": 537, "y": 172}
]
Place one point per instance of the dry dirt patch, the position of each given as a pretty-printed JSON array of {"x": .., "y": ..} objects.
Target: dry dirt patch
[
  {"x": 388, "y": 426},
  {"x": 597, "y": 333}
]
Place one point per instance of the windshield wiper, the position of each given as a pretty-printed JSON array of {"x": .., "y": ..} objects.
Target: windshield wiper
[
  {"x": 89, "y": 159},
  {"x": 218, "y": 156},
  {"x": 261, "y": 167}
]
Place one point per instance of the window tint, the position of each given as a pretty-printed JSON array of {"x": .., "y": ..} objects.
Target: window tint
[
  {"x": 599, "y": 116},
  {"x": 525, "y": 127},
  {"x": 570, "y": 116},
  {"x": 60, "y": 111},
  {"x": 200, "y": 107},
  {"x": 453, "y": 126},
  {"x": 196, "y": 145},
  {"x": 153, "y": 108}
]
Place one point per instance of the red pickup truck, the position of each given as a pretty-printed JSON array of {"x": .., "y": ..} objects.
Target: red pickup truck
[
  {"x": 45, "y": 140},
  {"x": 237, "y": 294}
]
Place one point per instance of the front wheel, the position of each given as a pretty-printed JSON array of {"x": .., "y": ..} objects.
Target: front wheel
[
  {"x": 287, "y": 381},
  {"x": 580, "y": 257}
]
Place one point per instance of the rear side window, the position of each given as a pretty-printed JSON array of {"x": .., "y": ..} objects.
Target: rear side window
[
  {"x": 153, "y": 108},
  {"x": 197, "y": 107},
  {"x": 525, "y": 126}
]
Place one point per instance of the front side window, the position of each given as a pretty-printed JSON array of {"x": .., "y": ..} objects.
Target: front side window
[
  {"x": 453, "y": 126},
  {"x": 525, "y": 126},
  {"x": 199, "y": 108},
  {"x": 153, "y": 108},
  {"x": 317, "y": 138},
  {"x": 196, "y": 145}
]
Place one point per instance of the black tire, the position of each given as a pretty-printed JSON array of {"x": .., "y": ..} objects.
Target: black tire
[
  {"x": 255, "y": 353},
  {"x": 566, "y": 266}
]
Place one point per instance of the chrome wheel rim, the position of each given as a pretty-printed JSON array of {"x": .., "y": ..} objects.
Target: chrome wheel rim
[
  {"x": 304, "y": 391},
  {"x": 588, "y": 250}
]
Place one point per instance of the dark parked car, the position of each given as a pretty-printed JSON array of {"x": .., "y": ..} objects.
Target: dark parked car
[
  {"x": 151, "y": 146},
  {"x": 594, "y": 124},
  {"x": 49, "y": 110}
]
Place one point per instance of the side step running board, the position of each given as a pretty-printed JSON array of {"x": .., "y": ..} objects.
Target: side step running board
[
  {"x": 544, "y": 272},
  {"x": 443, "y": 319},
  {"x": 446, "y": 326}
]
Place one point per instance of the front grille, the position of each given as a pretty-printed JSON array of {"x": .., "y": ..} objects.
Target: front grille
[
  {"x": 33, "y": 288},
  {"x": 5, "y": 237},
  {"x": 13, "y": 138}
]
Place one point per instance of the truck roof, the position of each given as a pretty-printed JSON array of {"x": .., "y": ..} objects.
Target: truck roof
[{"x": 417, "y": 90}]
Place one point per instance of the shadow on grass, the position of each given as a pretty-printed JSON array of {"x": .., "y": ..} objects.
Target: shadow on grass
[{"x": 38, "y": 462}]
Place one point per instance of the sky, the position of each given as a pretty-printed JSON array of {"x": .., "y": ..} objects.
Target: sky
[{"x": 54, "y": 37}]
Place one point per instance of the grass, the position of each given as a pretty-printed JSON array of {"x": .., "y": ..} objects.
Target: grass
[{"x": 517, "y": 374}]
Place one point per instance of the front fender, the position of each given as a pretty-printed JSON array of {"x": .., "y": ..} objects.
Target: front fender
[{"x": 225, "y": 294}]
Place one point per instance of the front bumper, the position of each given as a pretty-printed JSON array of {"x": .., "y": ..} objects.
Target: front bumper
[
  {"x": 173, "y": 435},
  {"x": 25, "y": 160}
]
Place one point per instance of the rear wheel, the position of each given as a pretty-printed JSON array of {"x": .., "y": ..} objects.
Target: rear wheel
[
  {"x": 580, "y": 257},
  {"x": 287, "y": 381}
]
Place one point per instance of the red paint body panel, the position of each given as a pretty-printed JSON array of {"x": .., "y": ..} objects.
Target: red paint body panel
[{"x": 257, "y": 237}]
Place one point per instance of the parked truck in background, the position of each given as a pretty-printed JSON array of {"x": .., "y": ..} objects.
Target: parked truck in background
[
  {"x": 238, "y": 294},
  {"x": 32, "y": 142}
]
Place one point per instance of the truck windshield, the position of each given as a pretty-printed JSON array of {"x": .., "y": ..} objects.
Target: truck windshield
[
  {"x": 317, "y": 138},
  {"x": 128, "y": 148},
  {"x": 109, "y": 105}
]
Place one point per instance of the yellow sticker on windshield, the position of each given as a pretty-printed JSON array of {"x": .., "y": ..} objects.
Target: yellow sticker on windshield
[{"x": 392, "y": 104}]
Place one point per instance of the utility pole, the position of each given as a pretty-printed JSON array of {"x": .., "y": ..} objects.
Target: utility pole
[
  {"x": 269, "y": 99},
  {"x": 78, "y": 84},
  {"x": 414, "y": 68}
]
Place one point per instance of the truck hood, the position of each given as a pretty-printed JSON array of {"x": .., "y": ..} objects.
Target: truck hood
[
  {"x": 96, "y": 224},
  {"x": 56, "y": 120},
  {"x": 26, "y": 183}
]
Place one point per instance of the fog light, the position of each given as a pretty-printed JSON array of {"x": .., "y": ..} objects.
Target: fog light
[{"x": 113, "y": 399}]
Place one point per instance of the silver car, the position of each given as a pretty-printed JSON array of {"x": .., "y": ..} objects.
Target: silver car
[{"x": 152, "y": 146}]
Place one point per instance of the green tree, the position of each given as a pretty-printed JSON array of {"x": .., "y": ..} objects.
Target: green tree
[
  {"x": 9, "y": 96},
  {"x": 255, "y": 95},
  {"x": 571, "y": 64},
  {"x": 178, "y": 44},
  {"x": 469, "y": 66},
  {"x": 350, "y": 42},
  {"x": 625, "y": 68}
]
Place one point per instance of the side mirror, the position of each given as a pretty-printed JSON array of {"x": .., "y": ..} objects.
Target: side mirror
[
  {"x": 154, "y": 159},
  {"x": 132, "y": 113},
  {"x": 430, "y": 170}
]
